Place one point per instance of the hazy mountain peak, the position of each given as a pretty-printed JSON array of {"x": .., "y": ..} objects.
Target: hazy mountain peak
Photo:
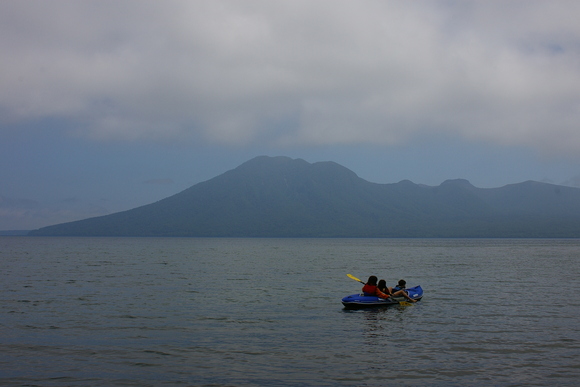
[{"x": 285, "y": 197}]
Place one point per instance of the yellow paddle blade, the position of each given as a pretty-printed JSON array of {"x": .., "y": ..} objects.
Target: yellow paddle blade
[
  {"x": 354, "y": 278},
  {"x": 405, "y": 303}
]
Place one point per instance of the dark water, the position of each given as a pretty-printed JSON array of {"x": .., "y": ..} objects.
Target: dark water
[{"x": 228, "y": 312}]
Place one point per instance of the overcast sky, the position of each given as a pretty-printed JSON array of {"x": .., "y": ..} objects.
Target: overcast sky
[{"x": 109, "y": 105}]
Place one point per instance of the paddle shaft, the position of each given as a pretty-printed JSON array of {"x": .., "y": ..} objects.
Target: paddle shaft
[{"x": 356, "y": 279}]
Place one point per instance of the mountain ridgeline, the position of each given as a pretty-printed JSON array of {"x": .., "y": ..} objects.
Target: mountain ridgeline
[{"x": 283, "y": 197}]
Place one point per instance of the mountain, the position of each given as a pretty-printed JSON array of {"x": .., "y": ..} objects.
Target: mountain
[{"x": 283, "y": 197}]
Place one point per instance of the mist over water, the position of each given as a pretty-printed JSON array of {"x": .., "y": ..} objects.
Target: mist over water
[{"x": 191, "y": 311}]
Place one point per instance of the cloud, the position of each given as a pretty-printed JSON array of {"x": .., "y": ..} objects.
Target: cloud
[{"x": 296, "y": 72}]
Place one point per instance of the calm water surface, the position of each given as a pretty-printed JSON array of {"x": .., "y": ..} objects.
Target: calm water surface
[{"x": 228, "y": 312}]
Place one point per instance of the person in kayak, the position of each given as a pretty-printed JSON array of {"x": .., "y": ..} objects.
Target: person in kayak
[
  {"x": 397, "y": 291},
  {"x": 400, "y": 286},
  {"x": 371, "y": 288}
]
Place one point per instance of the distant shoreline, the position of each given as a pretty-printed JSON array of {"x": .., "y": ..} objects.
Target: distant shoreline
[{"x": 14, "y": 232}]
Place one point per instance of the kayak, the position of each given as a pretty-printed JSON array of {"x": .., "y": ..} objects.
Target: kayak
[{"x": 358, "y": 301}]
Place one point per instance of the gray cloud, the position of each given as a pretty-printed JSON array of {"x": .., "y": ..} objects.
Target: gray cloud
[{"x": 297, "y": 72}]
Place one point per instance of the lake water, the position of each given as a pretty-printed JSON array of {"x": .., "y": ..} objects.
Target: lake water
[{"x": 267, "y": 312}]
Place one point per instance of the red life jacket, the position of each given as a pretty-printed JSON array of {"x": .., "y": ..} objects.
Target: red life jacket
[
  {"x": 369, "y": 290},
  {"x": 373, "y": 290}
]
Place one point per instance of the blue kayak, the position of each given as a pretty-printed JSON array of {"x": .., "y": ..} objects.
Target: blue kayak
[{"x": 357, "y": 301}]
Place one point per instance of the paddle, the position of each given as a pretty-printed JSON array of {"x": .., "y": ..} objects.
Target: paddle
[{"x": 354, "y": 278}]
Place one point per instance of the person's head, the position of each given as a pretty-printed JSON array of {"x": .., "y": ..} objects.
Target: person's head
[
  {"x": 372, "y": 280},
  {"x": 402, "y": 283},
  {"x": 382, "y": 284}
]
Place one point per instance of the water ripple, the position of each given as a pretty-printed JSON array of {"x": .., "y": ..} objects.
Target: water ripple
[{"x": 228, "y": 312}]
